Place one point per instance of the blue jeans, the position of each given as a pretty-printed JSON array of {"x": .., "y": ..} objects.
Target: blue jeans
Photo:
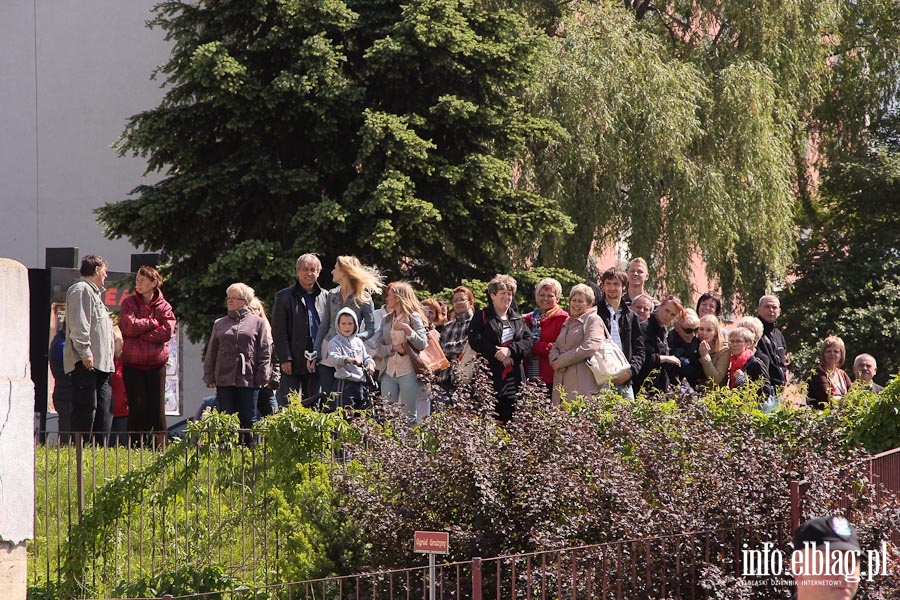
[
  {"x": 625, "y": 390},
  {"x": 240, "y": 401},
  {"x": 405, "y": 390},
  {"x": 326, "y": 379},
  {"x": 266, "y": 403}
]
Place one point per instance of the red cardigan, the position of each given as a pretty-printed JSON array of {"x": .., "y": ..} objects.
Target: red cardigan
[{"x": 550, "y": 329}]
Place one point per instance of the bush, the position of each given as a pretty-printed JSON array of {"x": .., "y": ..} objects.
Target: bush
[{"x": 597, "y": 470}]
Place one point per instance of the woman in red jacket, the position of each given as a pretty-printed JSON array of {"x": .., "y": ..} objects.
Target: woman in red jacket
[
  {"x": 545, "y": 323},
  {"x": 147, "y": 323}
]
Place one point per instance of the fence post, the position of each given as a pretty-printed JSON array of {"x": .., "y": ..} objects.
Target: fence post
[
  {"x": 476, "y": 578},
  {"x": 79, "y": 472},
  {"x": 795, "y": 505}
]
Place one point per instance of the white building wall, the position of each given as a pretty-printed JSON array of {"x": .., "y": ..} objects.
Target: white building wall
[{"x": 71, "y": 73}]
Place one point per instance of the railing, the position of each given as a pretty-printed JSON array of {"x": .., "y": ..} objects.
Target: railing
[
  {"x": 199, "y": 515},
  {"x": 881, "y": 469},
  {"x": 668, "y": 566},
  {"x": 181, "y": 515},
  {"x": 884, "y": 469}
]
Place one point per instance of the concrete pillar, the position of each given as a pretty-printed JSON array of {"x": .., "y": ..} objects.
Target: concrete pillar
[{"x": 16, "y": 431}]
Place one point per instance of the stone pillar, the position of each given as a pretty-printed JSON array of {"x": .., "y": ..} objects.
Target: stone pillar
[{"x": 16, "y": 431}]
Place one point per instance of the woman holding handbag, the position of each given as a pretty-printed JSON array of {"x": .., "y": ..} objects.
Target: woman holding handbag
[
  {"x": 580, "y": 338},
  {"x": 402, "y": 332}
]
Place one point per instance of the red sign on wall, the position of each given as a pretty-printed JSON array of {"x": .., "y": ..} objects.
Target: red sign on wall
[{"x": 434, "y": 542}]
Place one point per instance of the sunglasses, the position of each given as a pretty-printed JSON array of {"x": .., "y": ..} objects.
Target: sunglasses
[{"x": 689, "y": 329}]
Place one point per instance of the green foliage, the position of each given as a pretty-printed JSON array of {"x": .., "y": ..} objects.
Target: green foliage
[
  {"x": 673, "y": 144},
  {"x": 386, "y": 130},
  {"x": 183, "y": 581},
  {"x": 872, "y": 420},
  {"x": 590, "y": 471},
  {"x": 206, "y": 500},
  {"x": 846, "y": 281}
]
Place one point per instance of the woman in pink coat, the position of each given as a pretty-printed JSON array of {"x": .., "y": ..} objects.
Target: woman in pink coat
[{"x": 579, "y": 340}]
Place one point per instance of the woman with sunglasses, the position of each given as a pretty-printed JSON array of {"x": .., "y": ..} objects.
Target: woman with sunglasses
[{"x": 684, "y": 344}]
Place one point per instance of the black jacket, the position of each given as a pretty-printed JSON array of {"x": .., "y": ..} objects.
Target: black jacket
[
  {"x": 689, "y": 354},
  {"x": 290, "y": 325},
  {"x": 777, "y": 354},
  {"x": 485, "y": 331},
  {"x": 629, "y": 331},
  {"x": 655, "y": 345}
]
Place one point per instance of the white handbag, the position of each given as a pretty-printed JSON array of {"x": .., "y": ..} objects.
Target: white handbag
[
  {"x": 608, "y": 362},
  {"x": 464, "y": 370}
]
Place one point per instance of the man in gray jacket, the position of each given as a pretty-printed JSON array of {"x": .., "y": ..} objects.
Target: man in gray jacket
[{"x": 89, "y": 349}]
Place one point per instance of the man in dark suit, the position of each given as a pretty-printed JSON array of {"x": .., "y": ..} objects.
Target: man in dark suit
[{"x": 296, "y": 317}]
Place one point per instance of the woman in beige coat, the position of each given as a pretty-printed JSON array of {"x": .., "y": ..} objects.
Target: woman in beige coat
[{"x": 579, "y": 340}]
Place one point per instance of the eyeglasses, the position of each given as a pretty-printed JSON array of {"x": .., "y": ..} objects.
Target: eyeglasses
[
  {"x": 689, "y": 329},
  {"x": 235, "y": 298}
]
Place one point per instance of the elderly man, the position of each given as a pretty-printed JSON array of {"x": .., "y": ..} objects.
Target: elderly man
[
  {"x": 825, "y": 561},
  {"x": 864, "y": 369},
  {"x": 296, "y": 317},
  {"x": 769, "y": 309},
  {"x": 89, "y": 349}
]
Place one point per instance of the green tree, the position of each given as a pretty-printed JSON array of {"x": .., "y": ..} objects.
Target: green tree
[
  {"x": 386, "y": 130},
  {"x": 682, "y": 131},
  {"x": 847, "y": 278}
]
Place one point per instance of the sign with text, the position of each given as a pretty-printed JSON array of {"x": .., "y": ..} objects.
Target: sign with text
[{"x": 434, "y": 542}]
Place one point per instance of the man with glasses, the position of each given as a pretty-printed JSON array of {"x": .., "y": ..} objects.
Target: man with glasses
[{"x": 296, "y": 317}]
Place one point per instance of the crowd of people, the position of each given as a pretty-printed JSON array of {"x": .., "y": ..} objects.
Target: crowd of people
[
  {"x": 336, "y": 346},
  {"x": 110, "y": 378}
]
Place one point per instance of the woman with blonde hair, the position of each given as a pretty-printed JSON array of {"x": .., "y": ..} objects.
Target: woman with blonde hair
[
  {"x": 238, "y": 356},
  {"x": 545, "y": 322},
  {"x": 684, "y": 344},
  {"x": 714, "y": 352},
  {"x": 355, "y": 286},
  {"x": 579, "y": 339},
  {"x": 403, "y": 324},
  {"x": 829, "y": 381},
  {"x": 267, "y": 404}
]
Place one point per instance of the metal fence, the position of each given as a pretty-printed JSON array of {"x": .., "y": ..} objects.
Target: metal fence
[
  {"x": 670, "y": 566},
  {"x": 186, "y": 509},
  {"x": 194, "y": 508},
  {"x": 882, "y": 470}
]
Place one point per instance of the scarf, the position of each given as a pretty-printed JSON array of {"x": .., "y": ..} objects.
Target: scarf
[{"x": 737, "y": 363}]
